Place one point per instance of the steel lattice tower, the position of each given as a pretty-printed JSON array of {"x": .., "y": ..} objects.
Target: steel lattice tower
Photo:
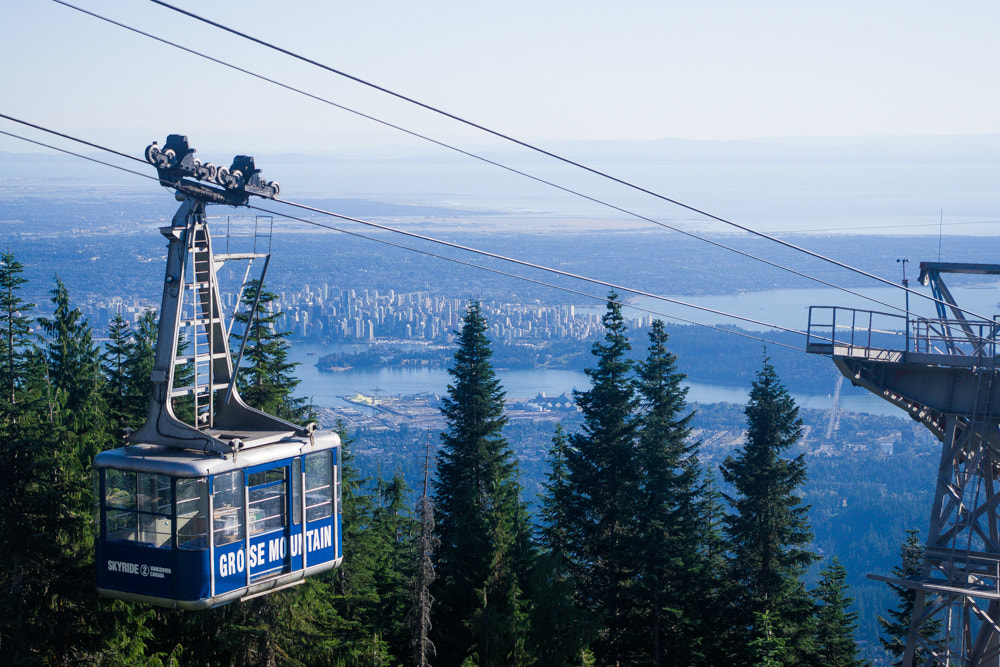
[{"x": 943, "y": 373}]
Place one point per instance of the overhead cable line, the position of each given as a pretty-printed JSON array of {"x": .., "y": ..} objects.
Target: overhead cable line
[
  {"x": 71, "y": 138},
  {"x": 436, "y": 241},
  {"x": 81, "y": 155},
  {"x": 532, "y": 265},
  {"x": 427, "y": 238},
  {"x": 476, "y": 156},
  {"x": 527, "y": 145},
  {"x": 516, "y": 276}
]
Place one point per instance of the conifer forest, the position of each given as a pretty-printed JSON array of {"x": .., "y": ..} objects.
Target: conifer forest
[{"x": 636, "y": 552}]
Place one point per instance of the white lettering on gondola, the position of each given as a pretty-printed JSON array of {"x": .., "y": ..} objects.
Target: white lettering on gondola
[
  {"x": 261, "y": 554},
  {"x": 121, "y": 566},
  {"x": 276, "y": 549},
  {"x": 154, "y": 571},
  {"x": 231, "y": 563},
  {"x": 319, "y": 538}
]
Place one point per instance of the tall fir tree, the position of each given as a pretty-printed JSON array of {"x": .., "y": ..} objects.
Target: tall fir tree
[
  {"x": 113, "y": 365},
  {"x": 15, "y": 321},
  {"x": 481, "y": 522},
  {"x": 75, "y": 378},
  {"x": 603, "y": 490},
  {"x": 896, "y": 628},
  {"x": 767, "y": 649},
  {"x": 674, "y": 579},
  {"x": 834, "y": 624},
  {"x": 393, "y": 561},
  {"x": 267, "y": 380},
  {"x": 768, "y": 530},
  {"x": 140, "y": 352}
]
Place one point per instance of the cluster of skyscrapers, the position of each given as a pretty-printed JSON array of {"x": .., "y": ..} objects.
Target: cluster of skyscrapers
[
  {"x": 323, "y": 312},
  {"x": 366, "y": 315}
]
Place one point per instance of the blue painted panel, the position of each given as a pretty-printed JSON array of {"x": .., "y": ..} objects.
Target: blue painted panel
[
  {"x": 319, "y": 543},
  {"x": 230, "y": 567},
  {"x": 269, "y": 553},
  {"x": 193, "y": 575},
  {"x": 124, "y": 566}
]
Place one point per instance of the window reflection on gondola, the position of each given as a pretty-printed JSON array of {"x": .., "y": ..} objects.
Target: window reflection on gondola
[
  {"x": 139, "y": 508},
  {"x": 192, "y": 513},
  {"x": 227, "y": 498},
  {"x": 319, "y": 497}
]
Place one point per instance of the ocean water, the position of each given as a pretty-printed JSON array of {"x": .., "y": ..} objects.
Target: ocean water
[{"x": 330, "y": 389}]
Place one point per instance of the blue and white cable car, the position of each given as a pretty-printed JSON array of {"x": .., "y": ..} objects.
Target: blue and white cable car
[
  {"x": 239, "y": 503},
  {"x": 182, "y": 529}
]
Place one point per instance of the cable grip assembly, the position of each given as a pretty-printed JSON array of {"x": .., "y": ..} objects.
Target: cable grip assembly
[{"x": 176, "y": 165}]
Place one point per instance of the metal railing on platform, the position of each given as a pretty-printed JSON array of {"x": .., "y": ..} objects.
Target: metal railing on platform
[
  {"x": 852, "y": 332},
  {"x": 837, "y": 328}
]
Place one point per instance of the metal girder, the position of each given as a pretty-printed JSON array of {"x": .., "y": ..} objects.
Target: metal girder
[
  {"x": 948, "y": 390},
  {"x": 949, "y": 382}
]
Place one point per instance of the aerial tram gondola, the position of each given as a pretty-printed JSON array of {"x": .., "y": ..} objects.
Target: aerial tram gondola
[{"x": 239, "y": 503}]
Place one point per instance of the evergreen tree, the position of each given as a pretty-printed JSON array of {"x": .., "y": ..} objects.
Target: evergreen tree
[
  {"x": 767, "y": 649},
  {"x": 713, "y": 614},
  {"x": 114, "y": 367},
  {"x": 140, "y": 353},
  {"x": 46, "y": 543},
  {"x": 674, "y": 579},
  {"x": 768, "y": 531},
  {"x": 127, "y": 365},
  {"x": 835, "y": 625},
  {"x": 481, "y": 523},
  {"x": 267, "y": 380},
  {"x": 75, "y": 379},
  {"x": 15, "y": 322},
  {"x": 896, "y": 627},
  {"x": 603, "y": 490},
  {"x": 393, "y": 562}
]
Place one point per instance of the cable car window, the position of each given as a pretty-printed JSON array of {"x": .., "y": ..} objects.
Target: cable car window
[
  {"x": 227, "y": 501},
  {"x": 192, "y": 513},
  {"x": 319, "y": 491},
  {"x": 119, "y": 503},
  {"x": 296, "y": 491},
  {"x": 268, "y": 500},
  {"x": 138, "y": 507}
]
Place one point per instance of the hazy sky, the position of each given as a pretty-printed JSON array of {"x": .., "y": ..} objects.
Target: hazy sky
[{"x": 541, "y": 70}]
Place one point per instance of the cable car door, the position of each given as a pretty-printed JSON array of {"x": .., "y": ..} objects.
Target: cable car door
[{"x": 268, "y": 505}]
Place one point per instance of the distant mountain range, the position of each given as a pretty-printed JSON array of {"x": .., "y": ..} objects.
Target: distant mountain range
[{"x": 787, "y": 184}]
